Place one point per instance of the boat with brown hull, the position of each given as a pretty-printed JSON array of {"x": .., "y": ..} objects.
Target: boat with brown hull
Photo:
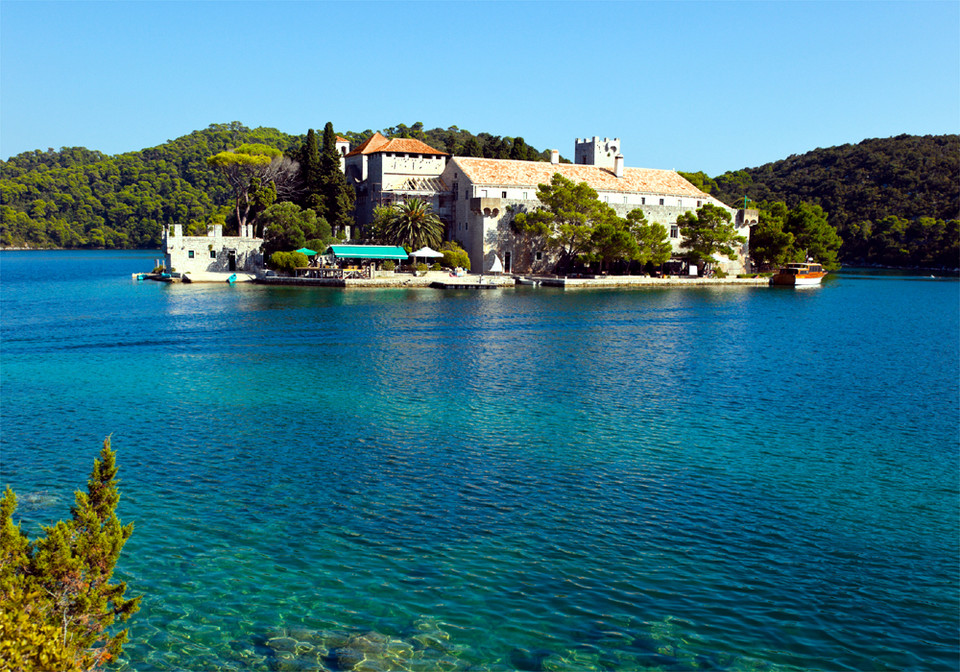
[{"x": 799, "y": 275}]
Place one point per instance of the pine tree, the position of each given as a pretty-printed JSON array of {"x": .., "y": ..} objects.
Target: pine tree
[
  {"x": 56, "y": 596},
  {"x": 338, "y": 196}
]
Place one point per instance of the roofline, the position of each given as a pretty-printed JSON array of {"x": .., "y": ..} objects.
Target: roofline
[{"x": 704, "y": 194}]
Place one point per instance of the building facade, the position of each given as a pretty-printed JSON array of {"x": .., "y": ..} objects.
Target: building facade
[
  {"x": 477, "y": 199},
  {"x": 213, "y": 252},
  {"x": 384, "y": 171},
  {"x": 486, "y": 194}
]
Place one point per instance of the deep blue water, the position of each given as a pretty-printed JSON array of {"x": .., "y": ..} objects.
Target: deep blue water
[{"x": 724, "y": 478}]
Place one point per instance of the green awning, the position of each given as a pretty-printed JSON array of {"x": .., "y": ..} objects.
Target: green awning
[
  {"x": 368, "y": 252},
  {"x": 307, "y": 251}
]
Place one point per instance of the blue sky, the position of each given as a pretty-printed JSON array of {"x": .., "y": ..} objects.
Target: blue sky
[{"x": 710, "y": 86}]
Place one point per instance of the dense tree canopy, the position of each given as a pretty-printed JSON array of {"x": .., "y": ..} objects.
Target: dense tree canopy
[
  {"x": 287, "y": 228},
  {"x": 75, "y": 197},
  {"x": 258, "y": 174},
  {"x": 910, "y": 178},
  {"x": 574, "y": 222},
  {"x": 706, "y": 233},
  {"x": 793, "y": 234}
]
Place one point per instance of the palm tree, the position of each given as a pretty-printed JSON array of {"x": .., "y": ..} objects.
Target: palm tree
[{"x": 413, "y": 223}]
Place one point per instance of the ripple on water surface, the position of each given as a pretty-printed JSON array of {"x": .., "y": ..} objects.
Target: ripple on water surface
[{"x": 504, "y": 480}]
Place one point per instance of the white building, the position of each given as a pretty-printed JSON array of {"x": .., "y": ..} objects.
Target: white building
[
  {"x": 487, "y": 193},
  {"x": 385, "y": 171},
  {"x": 213, "y": 252}
]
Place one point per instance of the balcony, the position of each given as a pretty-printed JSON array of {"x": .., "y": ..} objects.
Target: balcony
[{"x": 489, "y": 207}]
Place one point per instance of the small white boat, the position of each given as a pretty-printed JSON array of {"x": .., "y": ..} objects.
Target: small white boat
[{"x": 799, "y": 275}]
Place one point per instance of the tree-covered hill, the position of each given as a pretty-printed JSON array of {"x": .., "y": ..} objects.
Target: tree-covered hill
[
  {"x": 76, "y": 197},
  {"x": 894, "y": 200}
]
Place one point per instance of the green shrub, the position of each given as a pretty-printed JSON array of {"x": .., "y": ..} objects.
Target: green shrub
[
  {"x": 720, "y": 273},
  {"x": 454, "y": 256},
  {"x": 436, "y": 267},
  {"x": 288, "y": 261},
  {"x": 389, "y": 265},
  {"x": 421, "y": 268}
]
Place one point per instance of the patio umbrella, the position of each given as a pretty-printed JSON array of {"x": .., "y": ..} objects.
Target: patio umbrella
[
  {"x": 307, "y": 251},
  {"x": 426, "y": 252}
]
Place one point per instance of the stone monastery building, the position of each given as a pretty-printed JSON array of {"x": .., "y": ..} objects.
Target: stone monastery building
[{"x": 477, "y": 198}]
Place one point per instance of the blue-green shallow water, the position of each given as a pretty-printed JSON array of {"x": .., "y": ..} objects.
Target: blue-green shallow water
[{"x": 673, "y": 479}]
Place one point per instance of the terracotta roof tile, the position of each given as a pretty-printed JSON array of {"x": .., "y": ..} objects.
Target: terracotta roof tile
[
  {"x": 378, "y": 143},
  {"x": 510, "y": 173}
]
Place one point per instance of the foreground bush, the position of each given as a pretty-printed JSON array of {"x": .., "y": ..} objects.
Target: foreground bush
[{"x": 56, "y": 598}]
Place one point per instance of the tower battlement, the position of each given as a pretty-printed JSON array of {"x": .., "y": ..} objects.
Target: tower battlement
[{"x": 596, "y": 152}]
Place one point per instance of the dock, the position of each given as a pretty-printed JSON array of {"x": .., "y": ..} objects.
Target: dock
[{"x": 467, "y": 285}]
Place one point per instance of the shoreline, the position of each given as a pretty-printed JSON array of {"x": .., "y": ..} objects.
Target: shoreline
[
  {"x": 443, "y": 280},
  {"x": 851, "y": 265}
]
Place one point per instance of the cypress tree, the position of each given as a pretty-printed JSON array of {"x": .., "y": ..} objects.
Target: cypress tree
[
  {"x": 519, "y": 149},
  {"x": 338, "y": 196},
  {"x": 310, "y": 173}
]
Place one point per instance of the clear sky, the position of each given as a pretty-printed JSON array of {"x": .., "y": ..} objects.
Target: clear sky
[{"x": 710, "y": 86}]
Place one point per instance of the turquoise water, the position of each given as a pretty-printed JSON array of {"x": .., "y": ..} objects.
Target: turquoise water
[{"x": 726, "y": 478}]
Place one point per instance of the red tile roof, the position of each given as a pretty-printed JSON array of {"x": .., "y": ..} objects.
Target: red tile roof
[
  {"x": 378, "y": 143},
  {"x": 510, "y": 173},
  {"x": 340, "y": 139}
]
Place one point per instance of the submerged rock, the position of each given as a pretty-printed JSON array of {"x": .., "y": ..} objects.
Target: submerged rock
[
  {"x": 282, "y": 644},
  {"x": 345, "y": 658}
]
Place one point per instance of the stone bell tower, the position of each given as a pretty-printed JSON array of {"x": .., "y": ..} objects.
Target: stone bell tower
[{"x": 597, "y": 152}]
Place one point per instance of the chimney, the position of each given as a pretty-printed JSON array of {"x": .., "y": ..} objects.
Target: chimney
[
  {"x": 554, "y": 156},
  {"x": 618, "y": 165}
]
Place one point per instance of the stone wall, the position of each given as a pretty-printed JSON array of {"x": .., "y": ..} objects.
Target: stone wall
[{"x": 211, "y": 253}]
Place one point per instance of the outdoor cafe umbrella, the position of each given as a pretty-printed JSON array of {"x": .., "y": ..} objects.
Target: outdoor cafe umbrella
[
  {"x": 426, "y": 252},
  {"x": 307, "y": 251}
]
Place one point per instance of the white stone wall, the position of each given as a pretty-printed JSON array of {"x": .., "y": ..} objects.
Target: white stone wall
[
  {"x": 482, "y": 235},
  {"x": 384, "y": 174},
  {"x": 213, "y": 252}
]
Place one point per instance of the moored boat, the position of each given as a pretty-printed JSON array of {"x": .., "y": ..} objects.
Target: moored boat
[{"x": 799, "y": 275}]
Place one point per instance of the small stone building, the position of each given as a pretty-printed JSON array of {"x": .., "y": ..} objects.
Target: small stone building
[{"x": 213, "y": 252}]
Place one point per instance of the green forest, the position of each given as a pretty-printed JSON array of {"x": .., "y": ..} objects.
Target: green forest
[
  {"x": 81, "y": 198},
  {"x": 894, "y": 201}
]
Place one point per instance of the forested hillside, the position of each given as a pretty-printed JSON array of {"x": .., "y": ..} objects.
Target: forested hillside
[
  {"x": 76, "y": 197},
  {"x": 80, "y": 198},
  {"x": 894, "y": 201}
]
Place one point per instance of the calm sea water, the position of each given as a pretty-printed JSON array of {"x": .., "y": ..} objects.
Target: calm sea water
[{"x": 744, "y": 479}]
